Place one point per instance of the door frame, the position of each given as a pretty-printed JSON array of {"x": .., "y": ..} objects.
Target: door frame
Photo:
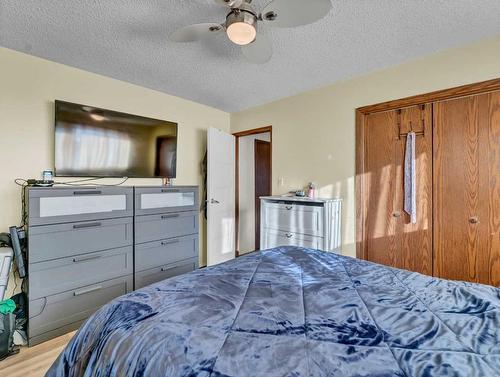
[
  {"x": 268, "y": 144},
  {"x": 362, "y": 112},
  {"x": 237, "y": 136}
]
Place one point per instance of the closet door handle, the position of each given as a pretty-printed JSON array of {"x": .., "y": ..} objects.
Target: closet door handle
[{"x": 473, "y": 220}]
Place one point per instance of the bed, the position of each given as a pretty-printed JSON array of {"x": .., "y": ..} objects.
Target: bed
[{"x": 292, "y": 311}]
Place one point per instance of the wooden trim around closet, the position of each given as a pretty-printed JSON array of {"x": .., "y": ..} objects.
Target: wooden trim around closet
[
  {"x": 440, "y": 95},
  {"x": 237, "y": 136},
  {"x": 360, "y": 170}
]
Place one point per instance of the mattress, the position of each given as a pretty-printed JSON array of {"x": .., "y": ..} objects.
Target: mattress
[{"x": 292, "y": 312}]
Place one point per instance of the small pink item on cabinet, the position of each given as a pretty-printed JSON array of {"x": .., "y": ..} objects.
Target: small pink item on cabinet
[{"x": 312, "y": 190}]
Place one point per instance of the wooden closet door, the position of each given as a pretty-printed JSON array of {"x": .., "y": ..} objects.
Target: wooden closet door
[
  {"x": 416, "y": 245},
  {"x": 383, "y": 237},
  {"x": 467, "y": 189},
  {"x": 391, "y": 239}
]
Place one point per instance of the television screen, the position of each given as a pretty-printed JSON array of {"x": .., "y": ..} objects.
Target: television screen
[{"x": 93, "y": 142}]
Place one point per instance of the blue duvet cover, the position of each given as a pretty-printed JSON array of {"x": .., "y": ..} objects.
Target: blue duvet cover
[{"x": 292, "y": 312}]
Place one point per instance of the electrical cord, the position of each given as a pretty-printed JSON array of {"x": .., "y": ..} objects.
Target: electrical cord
[
  {"x": 24, "y": 182},
  {"x": 76, "y": 183}
]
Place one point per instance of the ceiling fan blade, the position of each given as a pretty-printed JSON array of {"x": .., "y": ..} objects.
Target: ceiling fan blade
[
  {"x": 290, "y": 13},
  {"x": 230, "y": 3},
  {"x": 259, "y": 51},
  {"x": 196, "y": 32}
]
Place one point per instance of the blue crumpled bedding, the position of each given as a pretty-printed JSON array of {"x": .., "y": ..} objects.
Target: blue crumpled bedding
[{"x": 292, "y": 312}]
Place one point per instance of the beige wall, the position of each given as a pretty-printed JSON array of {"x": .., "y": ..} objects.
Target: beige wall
[
  {"x": 28, "y": 88},
  {"x": 314, "y": 133}
]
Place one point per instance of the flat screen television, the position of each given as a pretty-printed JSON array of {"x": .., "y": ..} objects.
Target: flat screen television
[{"x": 94, "y": 142}]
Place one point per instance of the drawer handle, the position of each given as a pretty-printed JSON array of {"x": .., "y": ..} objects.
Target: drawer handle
[
  {"x": 88, "y": 290},
  {"x": 87, "y": 225},
  {"x": 169, "y": 190},
  {"x": 83, "y": 259},
  {"x": 288, "y": 235},
  {"x": 164, "y": 243},
  {"x": 288, "y": 207},
  {"x": 170, "y": 216},
  {"x": 165, "y": 269},
  {"x": 96, "y": 192}
]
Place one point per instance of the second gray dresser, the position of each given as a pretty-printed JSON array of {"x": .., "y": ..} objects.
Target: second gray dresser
[{"x": 166, "y": 233}]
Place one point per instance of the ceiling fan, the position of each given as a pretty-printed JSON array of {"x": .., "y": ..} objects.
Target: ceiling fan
[{"x": 243, "y": 19}]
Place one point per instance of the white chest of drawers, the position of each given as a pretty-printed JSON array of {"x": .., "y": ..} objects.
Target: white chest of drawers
[{"x": 293, "y": 221}]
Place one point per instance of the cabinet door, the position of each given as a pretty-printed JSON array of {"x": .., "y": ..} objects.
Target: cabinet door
[
  {"x": 391, "y": 238},
  {"x": 383, "y": 236},
  {"x": 275, "y": 238},
  {"x": 154, "y": 200},
  {"x": 294, "y": 217},
  {"x": 416, "y": 239},
  {"x": 467, "y": 189},
  {"x": 55, "y": 205}
]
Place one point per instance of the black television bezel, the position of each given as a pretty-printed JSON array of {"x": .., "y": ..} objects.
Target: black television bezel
[{"x": 57, "y": 102}]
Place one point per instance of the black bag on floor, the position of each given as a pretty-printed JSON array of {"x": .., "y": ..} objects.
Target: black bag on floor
[{"x": 7, "y": 327}]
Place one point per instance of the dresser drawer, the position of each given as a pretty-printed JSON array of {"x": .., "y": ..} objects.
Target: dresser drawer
[
  {"x": 274, "y": 238},
  {"x": 157, "y": 274},
  {"x": 63, "y": 240},
  {"x": 154, "y": 200},
  {"x": 160, "y": 253},
  {"x": 59, "y": 205},
  {"x": 295, "y": 218},
  {"x": 52, "y": 277},
  {"x": 169, "y": 225},
  {"x": 52, "y": 312}
]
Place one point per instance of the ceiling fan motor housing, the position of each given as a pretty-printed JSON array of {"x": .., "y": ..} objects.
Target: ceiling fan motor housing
[{"x": 243, "y": 15}]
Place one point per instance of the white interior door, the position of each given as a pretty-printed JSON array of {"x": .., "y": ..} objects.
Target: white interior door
[{"x": 221, "y": 197}]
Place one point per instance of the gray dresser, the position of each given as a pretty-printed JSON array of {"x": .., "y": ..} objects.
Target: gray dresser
[
  {"x": 88, "y": 245},
  {"x": 166, "y": 233}
]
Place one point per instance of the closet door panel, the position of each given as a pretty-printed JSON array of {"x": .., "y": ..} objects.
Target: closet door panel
[
  {"x": 416, "y": 246},
  {"x": 383, "y": 238},
  {"x": 489, "y": 211},
  {"x": 456, "y": 189}
]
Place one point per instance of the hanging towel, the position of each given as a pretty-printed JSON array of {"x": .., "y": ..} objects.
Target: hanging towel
[{"x": 410, "y": 183}]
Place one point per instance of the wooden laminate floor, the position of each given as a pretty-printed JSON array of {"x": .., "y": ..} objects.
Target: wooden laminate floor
[{"x": 34, "y": 361}]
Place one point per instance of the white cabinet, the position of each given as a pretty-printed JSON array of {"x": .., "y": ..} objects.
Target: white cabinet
[{"x": 311, "y": 223}]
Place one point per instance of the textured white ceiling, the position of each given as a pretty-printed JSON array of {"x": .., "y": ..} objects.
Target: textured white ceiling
[{"x": 128, "y": 40}]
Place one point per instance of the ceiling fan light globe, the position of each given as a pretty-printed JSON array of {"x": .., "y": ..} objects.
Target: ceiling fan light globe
[{"x": 241, "y": 33}]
